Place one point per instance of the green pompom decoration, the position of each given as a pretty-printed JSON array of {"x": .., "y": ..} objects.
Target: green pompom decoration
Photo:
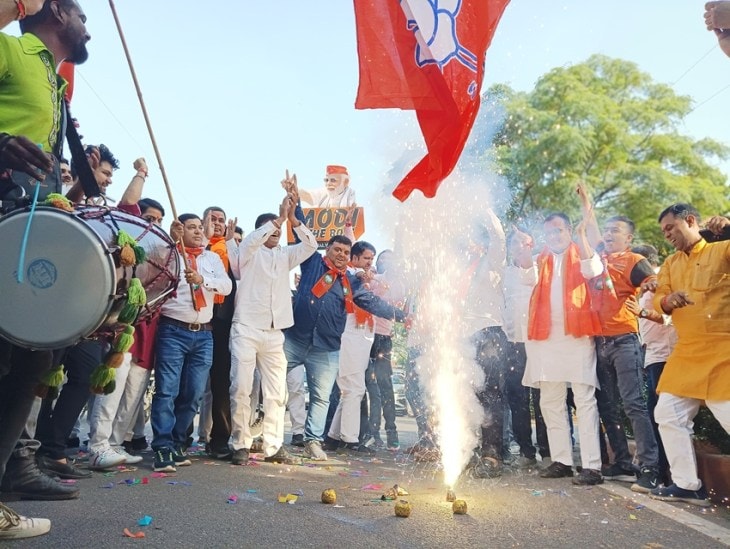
[
  {"x": 100, "y": 379},
  {"x": 109, "y": 387},
  {"x": 124, "y": 237},
  {"x": 135, "y": 293},
  {"x": 140, "y": 254},
  {"x": 124, "y": 341},
  {"x": 54, "y": 377},
  {"x": 128, "y": 314}
]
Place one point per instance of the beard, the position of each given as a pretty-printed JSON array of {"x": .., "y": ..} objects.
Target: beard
[{"x": 79, "y": 54}]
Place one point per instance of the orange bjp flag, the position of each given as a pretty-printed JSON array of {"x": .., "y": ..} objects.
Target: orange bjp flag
[{"x": 427, "y": 56}]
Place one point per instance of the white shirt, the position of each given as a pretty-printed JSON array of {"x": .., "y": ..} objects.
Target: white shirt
[
  {"x": 390, "y": 288},
  {"x": 659, "y": 339},
  {"x": 518, "y": 285},
  {"x": 215, "y": 281},
  {"x": 484, "y": 300},
  {"x": 323, "y": 198},
  {"x": 263, "y": 297}
]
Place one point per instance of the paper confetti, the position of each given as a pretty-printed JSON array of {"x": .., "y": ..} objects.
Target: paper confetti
[
  {"x": 129, "y": 534},
  {"x": 288, "y": 498},
  {"x": 233, "y": 498},
  {"x": 145, "y": 521}
]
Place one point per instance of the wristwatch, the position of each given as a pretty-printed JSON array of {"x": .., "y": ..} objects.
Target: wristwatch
[{"x": 644, "y": 313}]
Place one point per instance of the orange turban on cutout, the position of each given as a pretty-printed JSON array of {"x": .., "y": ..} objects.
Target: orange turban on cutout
[{"x": 336, "y": 170}]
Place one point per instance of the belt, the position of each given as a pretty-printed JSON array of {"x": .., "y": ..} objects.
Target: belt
[
  {"x": 190, "y": 326},
  {"x": 616, "y": 339}
]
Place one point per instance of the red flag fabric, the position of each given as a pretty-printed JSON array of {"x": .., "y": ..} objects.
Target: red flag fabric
[
  {"x": 66, "y": 70},
  {"x": 428, "y": 56}
]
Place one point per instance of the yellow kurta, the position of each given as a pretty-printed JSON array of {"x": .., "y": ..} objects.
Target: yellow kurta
[{"x": 699, "y": 366}]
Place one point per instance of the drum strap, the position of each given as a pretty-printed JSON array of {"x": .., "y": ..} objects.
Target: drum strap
[{"x": 81, "y": 163}]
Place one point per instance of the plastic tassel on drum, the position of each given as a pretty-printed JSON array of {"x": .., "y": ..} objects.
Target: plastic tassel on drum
[
  {"x": 135, "y": 293},
  {"x": 102, "y": 381},
  {"x": 49, "y": 384},
  {"x": 124, "y": 340},
  {"x": 59, "y": 201}
]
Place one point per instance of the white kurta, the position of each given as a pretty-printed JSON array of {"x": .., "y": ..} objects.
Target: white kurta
[{"x": 562, "y": 357}]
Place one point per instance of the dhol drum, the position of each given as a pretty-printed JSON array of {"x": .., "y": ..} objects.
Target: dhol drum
[{"x": 74, "y": 286}]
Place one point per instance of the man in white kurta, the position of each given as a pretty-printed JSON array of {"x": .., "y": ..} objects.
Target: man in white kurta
[
  {"x": 263, "y": 309},
  {"x": 558, "y": 357},
  {"x": 357, "y": 339}
]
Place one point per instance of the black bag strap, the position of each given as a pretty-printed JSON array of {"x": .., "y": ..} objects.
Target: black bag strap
[{"x": 81, "y": 163}]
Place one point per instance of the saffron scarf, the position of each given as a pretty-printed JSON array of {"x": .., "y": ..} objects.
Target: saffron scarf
[
  {"x": 325, "y": 283},
  {"x": 217, "y": 244},
  {"x": 191, "y": 262},
  {"x": 580, "y": 319}
]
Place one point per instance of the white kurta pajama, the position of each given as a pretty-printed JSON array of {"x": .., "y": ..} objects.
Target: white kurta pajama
[
  {"x": 263, "y": 309},
  {"x": 561, "y": 359},
  {"x": 354, "y": 358}
]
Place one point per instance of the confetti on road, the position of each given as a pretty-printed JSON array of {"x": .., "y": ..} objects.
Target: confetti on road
[
  {"x": 145, "y": 521},
  {"x": 129, "y": 534}
]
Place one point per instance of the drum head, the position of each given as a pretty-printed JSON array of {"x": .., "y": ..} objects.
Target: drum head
[{"x": 69, "y": 279}]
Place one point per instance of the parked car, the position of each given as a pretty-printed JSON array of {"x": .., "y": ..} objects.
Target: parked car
[{"x": 399, "y": 392}]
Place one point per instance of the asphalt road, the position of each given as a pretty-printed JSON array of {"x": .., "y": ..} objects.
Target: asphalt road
[{"x": 215, "y": 504}]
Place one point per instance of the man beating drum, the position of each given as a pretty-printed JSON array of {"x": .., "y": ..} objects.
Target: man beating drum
[{"x": 55, "y": 33}]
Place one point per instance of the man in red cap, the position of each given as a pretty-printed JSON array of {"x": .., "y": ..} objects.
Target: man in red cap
[{"x": 337, "y": 192}]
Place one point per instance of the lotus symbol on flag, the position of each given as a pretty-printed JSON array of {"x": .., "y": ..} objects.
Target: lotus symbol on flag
[{"x": 434, "y": 24}]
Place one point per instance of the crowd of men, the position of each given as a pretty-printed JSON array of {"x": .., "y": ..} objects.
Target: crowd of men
[{"x": 582, "y": 324}]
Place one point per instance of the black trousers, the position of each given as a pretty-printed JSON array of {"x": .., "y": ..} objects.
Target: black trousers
[
  {"x": 220, "y": 384},
  {"x": 491, "y": 346},
  {"x": 20, "y": 371},
  {"x": 55, "y": 422}
]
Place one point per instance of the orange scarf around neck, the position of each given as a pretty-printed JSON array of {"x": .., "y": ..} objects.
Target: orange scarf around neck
[
  {"x": 580, "y": 319},
  {"x": 217, "y": 244},
  {"x": 191, "y": 262},
  {"x": 325, "y": 283}
]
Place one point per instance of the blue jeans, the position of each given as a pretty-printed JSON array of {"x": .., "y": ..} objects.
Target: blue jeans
[
  {"x": 321, "y": 367},
  {"x": 620, "y": 375},
  {"x": 652, "y": 372},
  {"x": 182, "y": 365}
]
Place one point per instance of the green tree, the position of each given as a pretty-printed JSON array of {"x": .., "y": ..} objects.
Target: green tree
[{"x": 607, "y": 123}]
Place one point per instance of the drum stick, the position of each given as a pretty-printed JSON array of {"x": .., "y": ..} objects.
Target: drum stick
[{"x": 150, "y": 131}]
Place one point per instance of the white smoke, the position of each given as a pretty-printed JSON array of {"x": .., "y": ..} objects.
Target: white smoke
[{"x": 433, "y": 237}]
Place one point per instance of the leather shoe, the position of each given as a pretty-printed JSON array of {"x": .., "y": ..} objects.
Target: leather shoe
[
  {"x": 61, "y": 470},
  {"x": 557, "y": 470},
  {"x": 25, "y": 480},
  {"x": 223, "y": 453}
]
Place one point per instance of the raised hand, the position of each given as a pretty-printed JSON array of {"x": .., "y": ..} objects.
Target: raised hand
[{"x": 231, "y": 228}]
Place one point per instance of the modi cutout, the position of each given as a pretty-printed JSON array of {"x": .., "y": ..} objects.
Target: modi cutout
[{"x": 336, "y": 193}]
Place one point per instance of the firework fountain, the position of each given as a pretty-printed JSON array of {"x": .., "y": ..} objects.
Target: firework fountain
[{"x": 434, "y": 236}]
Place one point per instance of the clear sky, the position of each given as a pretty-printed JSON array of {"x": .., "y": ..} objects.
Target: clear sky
[{"x": 239, "y": 91}]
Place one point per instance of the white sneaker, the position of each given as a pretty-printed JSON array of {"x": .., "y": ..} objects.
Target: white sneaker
[
  {"x": 313, "y": 450},
  {"x": 105, "y": 459},
  {"x": 14, "y": 526},
  {"x": 129, "y": 459}
]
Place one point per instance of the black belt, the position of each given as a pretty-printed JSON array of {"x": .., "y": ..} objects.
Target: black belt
[{"x": 191, "y": 326}]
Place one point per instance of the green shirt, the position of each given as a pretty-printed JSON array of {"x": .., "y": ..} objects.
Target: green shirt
[{"x": 31, "y": 93}]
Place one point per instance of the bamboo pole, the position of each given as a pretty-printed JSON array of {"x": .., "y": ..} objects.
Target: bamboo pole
[{"x": 158, "y": 156}]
